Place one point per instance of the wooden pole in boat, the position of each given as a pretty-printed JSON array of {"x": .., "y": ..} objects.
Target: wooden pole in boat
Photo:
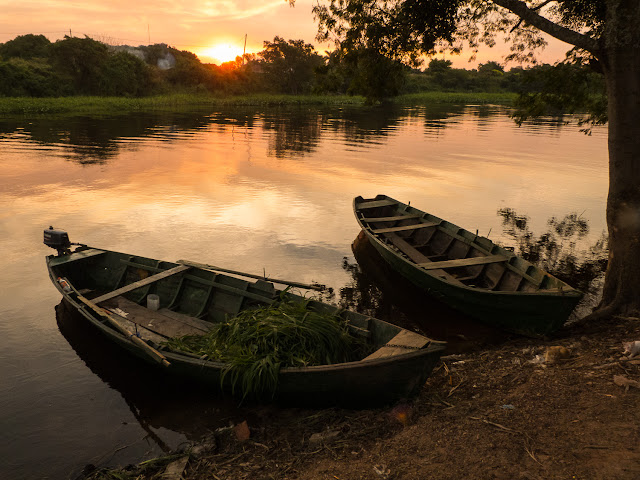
[
  {"x": 213, "y": 268},
  {"x": 148, "y": 349}
]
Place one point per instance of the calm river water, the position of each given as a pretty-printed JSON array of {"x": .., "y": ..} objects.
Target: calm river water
[{"x": 252, "y": 190}]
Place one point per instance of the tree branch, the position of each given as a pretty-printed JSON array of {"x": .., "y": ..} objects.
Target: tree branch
[{"x": 564, "y": 34}]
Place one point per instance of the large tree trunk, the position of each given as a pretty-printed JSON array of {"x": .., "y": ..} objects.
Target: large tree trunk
[{"x": 621, "y": 63}]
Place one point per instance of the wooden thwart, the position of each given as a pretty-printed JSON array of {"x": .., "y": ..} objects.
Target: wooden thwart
[
  {"x": 376, "y": 203},
  {"x": 142, "y": 283},
  {"x": 403, "y": 342},
  {"x": 391, "y": 219},
  {"x": 417, "y": 257},
  {"x": 164, "y": 322},
  {"x": 404, "y": 227},
  {"x": 463, "y": 262}
]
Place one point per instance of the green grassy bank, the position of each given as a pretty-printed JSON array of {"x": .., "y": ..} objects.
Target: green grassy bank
[
  {"x": 467, "y": 98},
  {"x": 185, "y": 102}
]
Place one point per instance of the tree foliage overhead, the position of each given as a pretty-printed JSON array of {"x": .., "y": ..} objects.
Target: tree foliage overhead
[
  {"x": 396, "y": 29},
  {"x": 290, "y": 65},
  {"x": 406, "y": 29}
]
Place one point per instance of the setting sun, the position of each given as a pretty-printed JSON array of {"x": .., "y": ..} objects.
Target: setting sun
[{"x": 220, "y": 53}]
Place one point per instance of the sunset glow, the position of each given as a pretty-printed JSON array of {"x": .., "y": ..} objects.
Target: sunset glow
[
  {"x": 220, "y": 53},
  {"x": 214, "y": 29}
]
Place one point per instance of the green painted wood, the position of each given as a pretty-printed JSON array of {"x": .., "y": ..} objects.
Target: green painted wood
[
  {"x": 92, "y": 252},
  {"x": 377, "y": 203},
  {"x": 233, "y": 290},
  {"x": 527, "y": 277},
  {"x": 464, "y": 262},
  {"x": 213, "y": 268}
]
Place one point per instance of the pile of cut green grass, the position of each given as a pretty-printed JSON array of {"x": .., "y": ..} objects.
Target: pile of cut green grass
[{"x": 257, "y": 343}]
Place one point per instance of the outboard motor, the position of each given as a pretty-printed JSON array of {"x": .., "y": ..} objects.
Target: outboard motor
[{"x": 58, "y": 240}]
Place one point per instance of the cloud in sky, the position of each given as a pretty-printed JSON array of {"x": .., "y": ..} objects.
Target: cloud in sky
[
  {"x": 181, "y": 24},
  {"x": 197, "y": 26}
]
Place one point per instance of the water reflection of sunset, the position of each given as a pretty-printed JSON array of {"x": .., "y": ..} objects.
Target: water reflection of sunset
[{"x": 248, "y": 188}]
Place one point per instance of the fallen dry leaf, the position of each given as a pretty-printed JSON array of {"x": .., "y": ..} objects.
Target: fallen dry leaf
[{"x": 625, "y": 382}]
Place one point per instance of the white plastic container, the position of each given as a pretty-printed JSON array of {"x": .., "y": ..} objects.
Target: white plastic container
[{"x": 153, "y": 301}]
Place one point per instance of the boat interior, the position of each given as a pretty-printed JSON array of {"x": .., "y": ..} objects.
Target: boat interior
[{"x": 449, "y": 252}]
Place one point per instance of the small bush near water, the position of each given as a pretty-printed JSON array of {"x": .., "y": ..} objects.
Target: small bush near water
[{"x": 256, "y": 343}]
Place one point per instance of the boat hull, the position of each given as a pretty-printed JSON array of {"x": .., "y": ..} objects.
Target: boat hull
[
  {"x": 355, "y": 384},
  {"x": 528, "y": 313}
]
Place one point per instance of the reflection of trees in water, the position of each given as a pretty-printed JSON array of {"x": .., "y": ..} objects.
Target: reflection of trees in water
[
  {"x": 561, "y": 250},
  {"x": 360, "y": 293},
  {"x": 368, "y": 123},
  {"x": 294, "y": 131},
  {"x": 94, "y": 140}
]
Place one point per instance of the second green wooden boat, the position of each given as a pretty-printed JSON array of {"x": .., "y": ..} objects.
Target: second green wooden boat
[{"x": 468, "y": 272}]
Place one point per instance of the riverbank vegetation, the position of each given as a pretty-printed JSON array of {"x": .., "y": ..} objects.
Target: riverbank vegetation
[
  {"x": 70, "y": 74},
  {"x": 95, "y": 105}
]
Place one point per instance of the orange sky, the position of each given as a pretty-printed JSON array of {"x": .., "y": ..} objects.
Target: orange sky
[{"x": 213, "y": 29}]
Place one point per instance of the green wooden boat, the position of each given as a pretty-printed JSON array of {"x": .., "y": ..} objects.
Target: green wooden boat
[
  {"x": 468, "y": 272},
  {"x": 139, "y": 302}
]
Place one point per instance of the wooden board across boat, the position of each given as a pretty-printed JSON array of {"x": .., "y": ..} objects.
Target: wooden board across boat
[
  {"x": 110, "y": 289},
  {"x": 466, "y": 271}
]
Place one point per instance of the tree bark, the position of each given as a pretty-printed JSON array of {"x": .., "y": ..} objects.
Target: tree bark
[{"x": 621, "y": 63}]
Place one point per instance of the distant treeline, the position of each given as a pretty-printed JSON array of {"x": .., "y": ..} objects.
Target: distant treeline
[{"x": 31, "y": 65}]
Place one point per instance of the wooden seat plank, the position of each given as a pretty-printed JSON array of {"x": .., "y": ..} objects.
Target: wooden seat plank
[
  {"x": 376, "y": 203},
  {"x": 527, "y": 277},
  {"x": 172, "y": 325},
  {"x": 463, "y": 262},
  {"x": 403, "y": 342},
  {"x": 417, "y": 257},
  {"x": 142, "y": 283},
  {"x": 402, "y": 228},
  {"x": 391, "y": 219}
]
